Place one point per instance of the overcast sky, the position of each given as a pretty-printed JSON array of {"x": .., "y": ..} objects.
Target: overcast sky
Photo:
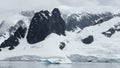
[
  {"x": 48, "y": 4},
  {"x": 78, "y": 3},
  {"x": 10, "y": 6}
]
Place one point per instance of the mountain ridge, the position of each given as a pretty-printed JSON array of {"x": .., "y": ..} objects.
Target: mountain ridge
[{"x": 53, "y": 34}]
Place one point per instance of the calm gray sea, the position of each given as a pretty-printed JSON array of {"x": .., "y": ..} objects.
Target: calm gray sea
[{"x": 23, "y": 64}]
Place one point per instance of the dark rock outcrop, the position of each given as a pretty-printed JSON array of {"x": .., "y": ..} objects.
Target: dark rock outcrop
[
  {"x": 112, "y": 30},
  {"x": 44, "y": 23},
  {"x": 109, "y": 32},
  {"x": 13, "y": 40},
  {"x": 62, "y": 45},
  {"x": 86, "y": 19},
  {"x": 38, "y": 28},
  {"x": 57, "y": 24},
  {"x": 88, "y": 40}
]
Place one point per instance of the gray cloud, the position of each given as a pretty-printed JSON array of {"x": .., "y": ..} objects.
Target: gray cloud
[
  {"x": 8, "y": 7},
  {"x": 48, "y": 4},
  {"x": 28, "y": 4},
  {"x": 78, "y": 3}
]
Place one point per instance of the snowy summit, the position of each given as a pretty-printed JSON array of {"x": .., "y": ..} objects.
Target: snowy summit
[{"x": 64, "y": 35}]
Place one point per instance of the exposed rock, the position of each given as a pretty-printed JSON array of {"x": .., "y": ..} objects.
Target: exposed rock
[
  {"x": 38, "y": 28},
  {"x": 88, "y": 40},
  {"x": 13, "y": 40},
  {"x": 44, "y": 23},
  {"x": 109, "y": 32},
  {"x": 86, "y": 19},
  {"x": 62, "y": 45},
  {"x": 57, "y": 24}
]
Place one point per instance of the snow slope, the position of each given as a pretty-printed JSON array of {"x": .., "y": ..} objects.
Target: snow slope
[
  {"x": 12, "y": 21},
  {"x": 102, "y": 49},
  {"x": 102, "y": 46}
]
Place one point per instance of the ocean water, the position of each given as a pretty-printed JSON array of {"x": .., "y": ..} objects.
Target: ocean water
[{"x": 24, "y": 64}]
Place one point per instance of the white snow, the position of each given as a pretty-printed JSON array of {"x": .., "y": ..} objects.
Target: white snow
[
  {"x": 101, "y": 47},
  {"x": 93, "y": 10}
]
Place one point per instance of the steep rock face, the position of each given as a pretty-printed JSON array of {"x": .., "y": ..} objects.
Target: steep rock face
[
  {"x": 13, "y": 40},
  {"x": 86, "y": 19},
  {"x": 16, "y": 32},
  {"x": 44, "y": 23},
  {"x": 57, "y": 24},
  {"x": 38, "y": 28}
]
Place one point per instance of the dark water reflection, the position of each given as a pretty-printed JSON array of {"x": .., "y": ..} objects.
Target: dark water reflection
[{"x": 21, "y": 64}]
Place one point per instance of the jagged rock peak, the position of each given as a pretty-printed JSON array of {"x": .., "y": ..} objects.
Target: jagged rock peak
[
  {"x": 43, "y": 23},
  {"x": 56, "y": 12}
]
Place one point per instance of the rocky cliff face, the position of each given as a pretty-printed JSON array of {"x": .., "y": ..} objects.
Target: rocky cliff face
[
  {"x": 86, "y": 19},
  {"x": 13, "y": 40},
  {"x": 44, "y": 23}
]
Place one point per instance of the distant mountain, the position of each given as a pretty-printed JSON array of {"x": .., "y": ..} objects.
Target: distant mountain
[
  {"x": 64, "y": 35},
  {"x": 44, "y": 23}
]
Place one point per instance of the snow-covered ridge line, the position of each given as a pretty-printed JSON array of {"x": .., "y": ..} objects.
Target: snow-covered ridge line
[
  {"x": 68, "y": 48},
  {"x": 92, "y": 10}
]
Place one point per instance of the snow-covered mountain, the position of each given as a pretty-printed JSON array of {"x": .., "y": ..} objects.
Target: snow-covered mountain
[{"x": 64, "y": 35}]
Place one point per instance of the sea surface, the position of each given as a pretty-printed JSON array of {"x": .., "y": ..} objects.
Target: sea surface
[{"x": 30, "y": 64}]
